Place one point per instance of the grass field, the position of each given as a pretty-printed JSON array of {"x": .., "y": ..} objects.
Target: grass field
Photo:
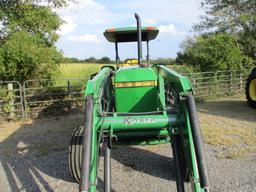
[
  {"x": 76, "y": 73},
  {"x": 78, "y": 70},
  {"x": 230, "y": 125},
  {"x": 84, "y": 70}
]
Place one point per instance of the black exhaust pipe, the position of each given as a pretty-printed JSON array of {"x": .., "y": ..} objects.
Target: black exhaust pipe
[
  {"x": 198, "y": 142},
  {"x": 139, "y": 38},
  {"x": 86, "y": 160}
]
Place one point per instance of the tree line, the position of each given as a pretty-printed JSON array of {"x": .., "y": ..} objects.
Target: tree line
[
  {"x": 28, "y": 33},
  {"x": 91, "y": 60},
  {"x": 225, "y": 39},
  {"x": 107, "y": 60}
]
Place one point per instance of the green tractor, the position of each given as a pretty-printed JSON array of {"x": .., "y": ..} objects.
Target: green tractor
[
  {"x": 138, "y": 104},
  {"x": 250, "y": 89}
]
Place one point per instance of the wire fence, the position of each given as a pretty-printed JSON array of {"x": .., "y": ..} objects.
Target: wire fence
[
  {"x": 220, "y": 83},
  {"x": 11, "y": 100},
  {"x": 52, "y": 95},
  {"x": 57, "y": 96}
]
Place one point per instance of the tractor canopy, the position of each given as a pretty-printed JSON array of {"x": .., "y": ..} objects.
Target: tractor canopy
[{"x": 130, "y": 34}]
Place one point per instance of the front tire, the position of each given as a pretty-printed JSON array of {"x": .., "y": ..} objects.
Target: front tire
[
  {"x": 250, "y": 89},
  {"x": 75, "y": 153}
]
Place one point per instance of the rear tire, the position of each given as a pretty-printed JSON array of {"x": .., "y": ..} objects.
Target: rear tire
[
  {"x": 75, "y": 153},
  {"x": 250, "y": 89}
]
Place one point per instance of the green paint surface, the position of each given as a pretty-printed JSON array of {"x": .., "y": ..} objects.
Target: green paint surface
[
  {"x": 135, "y": 99},
  {"x": 143, "y": 129}
]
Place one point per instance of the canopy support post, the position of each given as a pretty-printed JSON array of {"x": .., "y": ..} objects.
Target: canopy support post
[
  {"x": 148, "y": 58},
  {"x": 117, "y": 57}
]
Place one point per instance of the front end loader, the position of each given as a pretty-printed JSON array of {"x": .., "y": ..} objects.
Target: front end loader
[{"x": 138, "y": 104}]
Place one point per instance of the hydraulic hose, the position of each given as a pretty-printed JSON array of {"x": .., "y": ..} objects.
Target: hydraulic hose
[
  {"x": 198, "y": 142},
  {"x": 87, "y": 143},
  {"x": 177, "y": 162}
]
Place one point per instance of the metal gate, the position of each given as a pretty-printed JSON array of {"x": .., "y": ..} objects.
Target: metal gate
[
  {"x": 11, "y": 100},
  {"x": 219, "y": 83},
  {"x": 52, "y": 96}
]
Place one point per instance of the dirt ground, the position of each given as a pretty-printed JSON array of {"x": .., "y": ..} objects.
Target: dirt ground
[
  {"x": 228, "y": 123},
  {"x": 33, "y": 154}
]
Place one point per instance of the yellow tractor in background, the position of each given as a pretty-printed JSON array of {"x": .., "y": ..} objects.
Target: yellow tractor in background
[
  {"x": 128, "y": 63},
  {"x": 250, "y": 89}
]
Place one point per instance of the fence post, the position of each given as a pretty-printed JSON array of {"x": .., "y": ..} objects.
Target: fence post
[
  {"x": 240, "y": 82},
  {"x": 231, "y": 84},
  {"x": 11, "y": 100},
  {"x": 194, "y": 85},
  {"x": 24, "y": 100},
  {"x": 194, "y": 82},
  {"x": 215, "y": 79},
  {"x": 21, "y": 100},
  {"x": 68, "y": 86}
]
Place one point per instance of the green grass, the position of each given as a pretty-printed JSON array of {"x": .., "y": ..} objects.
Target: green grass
[
  {"x": 78, "y": 70},
  {"x": 74, "y": 71},
  {"x": 84, "y": 70},
  {"x": 229, "y": 124}
]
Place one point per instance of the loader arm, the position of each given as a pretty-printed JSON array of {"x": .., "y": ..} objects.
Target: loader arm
[{"x": 138, "y": 105}]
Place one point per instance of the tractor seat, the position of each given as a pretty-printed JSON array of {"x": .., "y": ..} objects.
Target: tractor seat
[{"x": 129, "y": 63}]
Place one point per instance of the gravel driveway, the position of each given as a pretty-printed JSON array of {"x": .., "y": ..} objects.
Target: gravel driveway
[{"x": 34, "y": 158}]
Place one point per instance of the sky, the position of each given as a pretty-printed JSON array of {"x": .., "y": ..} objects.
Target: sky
[{"x": 81, "y": 35}]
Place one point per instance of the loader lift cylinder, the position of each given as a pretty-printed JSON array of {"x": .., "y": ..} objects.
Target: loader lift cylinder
[
  {"x": 87, "y": 143},
  {"x": 107, "y": 165},
  {"x": 177, "y": 163},
  {"x": 198, "y": 142}
]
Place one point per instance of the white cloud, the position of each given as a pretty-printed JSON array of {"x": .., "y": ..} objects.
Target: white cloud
[
  {"x": 91, "y": 17},
  {"x": 167, "y": 28},
  {"x": 149, "y": 21},
  {"x": 84, "y": 38},
  {"x": 78, "y": 5},
  {"x": 90, "y": 12},
  {"x": 182, "y": 11},
  {"x": 68, "y": 27},
  {"x": 171, "y": 29}
]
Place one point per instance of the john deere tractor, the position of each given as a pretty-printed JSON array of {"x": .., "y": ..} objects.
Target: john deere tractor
[
  {"x": 250, "y": 89},
  {"x": 136, "y": 103}
]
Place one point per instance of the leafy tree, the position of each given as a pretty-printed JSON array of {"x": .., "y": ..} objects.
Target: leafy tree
[
  {"x": 213, "y": 52},
  {"x": 27, "y": 38},
  {"x": 91, "y": 60},
  {"x": 71, "y": 60},
  {"x": 237, "y": 17},
  {"x": 167, "y": 61},
  {"x": 104, "y": 60}
]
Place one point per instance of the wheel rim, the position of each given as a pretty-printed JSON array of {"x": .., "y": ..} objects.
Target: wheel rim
[{"x": 252, "y": 90}]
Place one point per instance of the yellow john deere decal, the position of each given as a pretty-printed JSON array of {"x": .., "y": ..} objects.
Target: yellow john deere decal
[{"x": 136, "y": 84}]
